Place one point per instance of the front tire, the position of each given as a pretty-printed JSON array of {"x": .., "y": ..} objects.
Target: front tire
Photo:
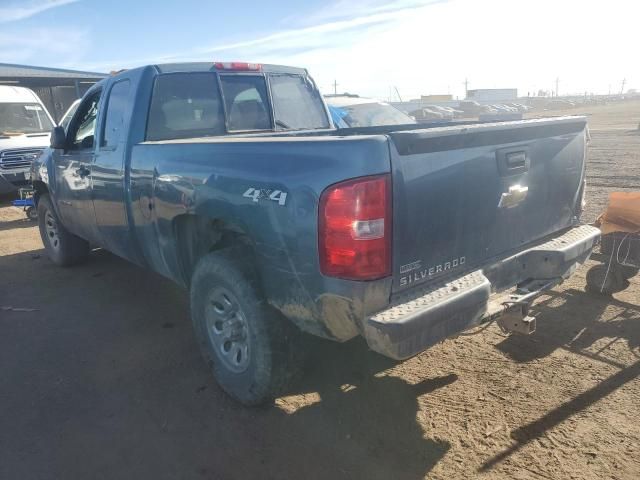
[
  {"x": 248, "y": 345},
  {"x": 63, "y": 247},
  {"x": 32, "y": 214}
]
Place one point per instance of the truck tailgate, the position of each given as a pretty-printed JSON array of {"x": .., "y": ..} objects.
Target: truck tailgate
[{"x": 463, "y": 195}]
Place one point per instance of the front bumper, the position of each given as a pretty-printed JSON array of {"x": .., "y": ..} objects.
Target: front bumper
[
  {"x": 418, "y": 320},
  {"x": 11, "y": 181}
]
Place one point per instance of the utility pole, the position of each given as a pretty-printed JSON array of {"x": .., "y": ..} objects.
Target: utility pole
[
  {"x": 335, "y": 87},
  {"x": 624, "y": 80},
  {"x": 398, "y": 93},
  {"x": 557, "y": 86}
]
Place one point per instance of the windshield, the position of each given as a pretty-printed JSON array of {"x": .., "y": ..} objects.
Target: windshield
[
  {"x": 64, "y": 123},
  {"x": 369, "y": 115},
  {"x": 19, "y": 118}
]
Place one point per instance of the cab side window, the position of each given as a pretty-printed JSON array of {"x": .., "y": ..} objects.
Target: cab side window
[
  {"x": 82, "y": 133},
  {"x": 114, "y": 122}
]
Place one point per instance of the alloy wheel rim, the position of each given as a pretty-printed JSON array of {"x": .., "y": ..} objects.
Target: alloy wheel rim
[
  {"x": 51, "y": 229},
  {"x": 228, "y": 329}
]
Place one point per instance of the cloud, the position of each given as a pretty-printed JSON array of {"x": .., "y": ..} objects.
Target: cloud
[
  {"x": 342, "y": 9},
  {"x": 424, "y": 47},
  {"x": 12, "y": 12},
  {"x": 63, "y": 46},
  {"x": 304, "y": 39}
]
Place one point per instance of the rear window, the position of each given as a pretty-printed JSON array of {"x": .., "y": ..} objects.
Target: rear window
[
  {"x": 246, "y": 102},
  {"x": 185, "y": 105},
  {"x": 297, "y": 103}
]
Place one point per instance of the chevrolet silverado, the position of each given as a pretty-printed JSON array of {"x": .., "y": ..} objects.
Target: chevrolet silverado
[{"x": 231, "y": 180}]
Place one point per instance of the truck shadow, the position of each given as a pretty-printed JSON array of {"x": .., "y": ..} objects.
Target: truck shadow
[
  {"x": 368, "y": 415},
  {"x": 105, "y": 375},
  {"x": 20, "y": 223},
  {"x": 536, "y": 429},
  {"x": 574, "y": 320}
]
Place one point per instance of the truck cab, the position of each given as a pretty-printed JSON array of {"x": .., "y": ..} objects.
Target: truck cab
[{"x": 25, "y": 125}]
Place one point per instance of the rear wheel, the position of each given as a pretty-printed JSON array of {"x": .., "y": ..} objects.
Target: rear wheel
[
  {"x": 62, "y": 247},
  {"x": 248, "y": 346}
]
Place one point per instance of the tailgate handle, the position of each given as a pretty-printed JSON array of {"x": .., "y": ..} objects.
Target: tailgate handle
[
  {"x": 513, "y": 160},
  {"x": 516, "y": 160}
]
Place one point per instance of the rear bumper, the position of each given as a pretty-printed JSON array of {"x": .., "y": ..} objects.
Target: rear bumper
[{"x": 420, "y": 319}]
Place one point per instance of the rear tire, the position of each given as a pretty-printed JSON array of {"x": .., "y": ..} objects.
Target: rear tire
[
  {"x": 63, "y": 247},
  {"x": 248, "y": 346}
]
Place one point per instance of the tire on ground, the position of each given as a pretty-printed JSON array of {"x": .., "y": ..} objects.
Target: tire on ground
[
  {"x": 63, "y": 247},
  {"x": 605, "y": 281},
  {"x": 248, "y": 345},
  {"x": 627, "y": 272}
]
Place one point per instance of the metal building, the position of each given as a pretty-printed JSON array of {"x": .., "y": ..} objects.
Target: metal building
[
  {"x": 493, "y": 95},
  {"x": 56, "y": 87}
]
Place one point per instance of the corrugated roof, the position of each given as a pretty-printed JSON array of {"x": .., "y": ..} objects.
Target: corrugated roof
[{"x": 28, "y": 71}]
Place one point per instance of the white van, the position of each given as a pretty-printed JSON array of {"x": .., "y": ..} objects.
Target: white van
[{"x": 25, "y": 126}]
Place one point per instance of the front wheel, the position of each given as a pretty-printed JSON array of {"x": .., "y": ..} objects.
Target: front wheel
[
  {"x": 248, "y": 345},
  {"x": 63, "y": 247},
  {"x": 32, "y": 214}
]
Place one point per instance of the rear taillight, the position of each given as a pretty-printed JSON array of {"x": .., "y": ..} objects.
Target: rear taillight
[{"x": 355, "y": 229}]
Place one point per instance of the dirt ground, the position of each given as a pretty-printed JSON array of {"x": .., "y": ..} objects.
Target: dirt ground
[{"x": 103, "y": 379}]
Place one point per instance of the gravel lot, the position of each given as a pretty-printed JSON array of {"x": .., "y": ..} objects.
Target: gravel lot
[{"x": 101, "y": 378}]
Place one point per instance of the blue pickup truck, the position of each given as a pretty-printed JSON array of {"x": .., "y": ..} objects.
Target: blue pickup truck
[{"x": 230, "y": 179}]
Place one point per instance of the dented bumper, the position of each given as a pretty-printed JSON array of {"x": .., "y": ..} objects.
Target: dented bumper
[{"x": 421, "y": 318}]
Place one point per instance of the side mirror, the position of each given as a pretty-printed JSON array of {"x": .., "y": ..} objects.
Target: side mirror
[{"x": 58, "y": 138}]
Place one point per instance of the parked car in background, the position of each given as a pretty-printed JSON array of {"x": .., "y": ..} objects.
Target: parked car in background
[
  {"x": 447, "y": 112},
  {"x": 25, "y": 126},
  {"x": 349, "y": 111},
  {"x": 426, "y": 114},
  {"x": 519, "y": 106},
  {"x": 66, "y": 118},
  {"x": 501, "y": 108},
  {"x": 230, "y": 180},
  {"x": 473, "y": 108}
]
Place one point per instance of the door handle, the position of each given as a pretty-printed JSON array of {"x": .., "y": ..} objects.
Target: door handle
[
  {"x": 83, "y": 171},
  {"x": 515, "y": 195}
]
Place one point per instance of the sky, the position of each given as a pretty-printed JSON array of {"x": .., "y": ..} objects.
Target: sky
[{"x": 380, "y": 49}]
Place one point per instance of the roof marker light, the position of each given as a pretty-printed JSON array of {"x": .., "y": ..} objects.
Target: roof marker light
[{"x": 238, "y": 66}]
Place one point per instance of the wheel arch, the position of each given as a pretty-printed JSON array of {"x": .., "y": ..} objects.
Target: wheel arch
[
  {"x": 39, "y": 188},
  {"x": 198, "y": 235}
]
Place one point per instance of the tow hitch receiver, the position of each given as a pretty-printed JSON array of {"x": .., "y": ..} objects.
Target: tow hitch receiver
[{"x": 516, "y": 319}]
